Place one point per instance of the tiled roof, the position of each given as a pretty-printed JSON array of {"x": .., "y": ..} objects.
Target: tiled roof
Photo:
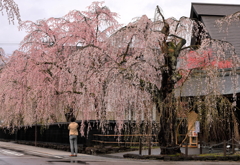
[{"x": 214, "y": 9}]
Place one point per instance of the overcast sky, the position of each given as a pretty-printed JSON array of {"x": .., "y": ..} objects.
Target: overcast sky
[{"x": 127, "y": 9}]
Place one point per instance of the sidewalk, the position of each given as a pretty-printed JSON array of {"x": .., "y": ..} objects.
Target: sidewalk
[
  {"x": 32, "y": 150},
  {"x": 58, "y": 154},
  {"x": 55, "y": 154}
]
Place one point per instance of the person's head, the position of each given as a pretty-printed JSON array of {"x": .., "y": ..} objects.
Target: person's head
[{"x": 73, "y": 119}]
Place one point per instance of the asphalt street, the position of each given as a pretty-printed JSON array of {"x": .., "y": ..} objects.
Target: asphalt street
[{"x": 12, "y": 153}]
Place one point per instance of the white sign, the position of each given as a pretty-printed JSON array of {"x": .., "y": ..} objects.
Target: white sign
[{"x": 197, "y": 126}]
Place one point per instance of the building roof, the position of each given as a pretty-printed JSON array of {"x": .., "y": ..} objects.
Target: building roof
[
  {"x": 211, "y": 9},
  {"x": 208, "y": 13}
]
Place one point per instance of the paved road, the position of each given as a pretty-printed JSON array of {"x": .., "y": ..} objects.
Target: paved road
[
  {"x": 10, "y": 157},
  {"x": 12, "y": 153}
]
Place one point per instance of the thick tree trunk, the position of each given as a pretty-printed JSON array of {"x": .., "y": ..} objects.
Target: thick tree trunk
[
  {"x": 167, "y": 104},
  {"x": 167, "y": 134}
]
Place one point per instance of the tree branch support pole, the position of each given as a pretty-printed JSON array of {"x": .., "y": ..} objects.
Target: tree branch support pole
[
  {"x": 149, "y": 145},
  {"x": 233, "y": 150},
  {"x": 186, "y": 147},
  {"x": 201, "y": 143},
  {"x": 224, "y": 148},
  {"x": 149, "y": 136},
  {"x": 140, "y": 145}
]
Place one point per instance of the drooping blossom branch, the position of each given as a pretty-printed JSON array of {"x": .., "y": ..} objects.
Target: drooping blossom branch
[{"x": 11, "y": 8}]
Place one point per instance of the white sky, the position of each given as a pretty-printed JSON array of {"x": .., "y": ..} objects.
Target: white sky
[{"x": 127, "y": 9}]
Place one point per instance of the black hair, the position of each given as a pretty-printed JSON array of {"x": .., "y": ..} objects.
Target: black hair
[{"x": 73, "y": 119}]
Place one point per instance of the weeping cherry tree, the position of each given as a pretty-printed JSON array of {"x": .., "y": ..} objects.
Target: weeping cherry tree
[{"x": 136, "y": 73}]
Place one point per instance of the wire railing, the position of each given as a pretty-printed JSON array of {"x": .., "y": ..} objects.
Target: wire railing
[{"x": 227, "y": 147}]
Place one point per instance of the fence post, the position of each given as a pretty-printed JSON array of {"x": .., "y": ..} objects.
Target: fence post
[
  {"x": 140, "y": 145},
  {"x": 15, "y": 133},
  {"x": 224, "y": 148},
  {"x": 36, "y": 134}
]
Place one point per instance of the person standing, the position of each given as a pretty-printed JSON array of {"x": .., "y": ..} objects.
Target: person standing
[{"x": 73, "y": 134}]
